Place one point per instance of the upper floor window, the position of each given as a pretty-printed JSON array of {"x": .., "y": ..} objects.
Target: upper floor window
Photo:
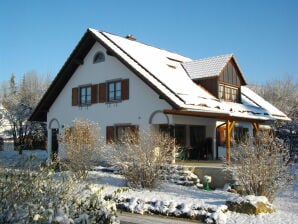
[
  {"x": 107, "y": 92},
  {"x": 114, "y": 91},
  {"x": 98, "y": 57},
  {"x": 228, "y": 93},
  {"x": 85, "y": 95}
]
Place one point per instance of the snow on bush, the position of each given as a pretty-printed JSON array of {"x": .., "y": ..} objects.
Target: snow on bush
[
  {"x": 260, "y": 165},
  {"x": 141, "y": 156},
  {"x": 81, "y": 145},
  {"x": 172, "y": 208},
  {"x": 41, "y": 196}
]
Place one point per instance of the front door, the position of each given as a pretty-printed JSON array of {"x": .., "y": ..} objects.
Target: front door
[
  {"x": 197, "y": 142},
  {"x": 55, "y": 132}
]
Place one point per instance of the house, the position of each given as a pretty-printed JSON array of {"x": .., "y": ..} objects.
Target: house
[{"x": 123, "y": 84}]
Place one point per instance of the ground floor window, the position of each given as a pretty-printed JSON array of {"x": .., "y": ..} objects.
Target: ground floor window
[
  {"x": 221, "y": 135},
  {"x": 117, "y": 133},
  {"x": 178, "y": 132},
  {"x": 240, "y": 134}
]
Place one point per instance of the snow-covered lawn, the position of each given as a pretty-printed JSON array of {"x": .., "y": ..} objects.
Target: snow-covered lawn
[{"x": 171, "y": 199}]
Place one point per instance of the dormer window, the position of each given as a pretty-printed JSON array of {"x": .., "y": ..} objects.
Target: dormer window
[
  {"x": 98, "y": 57},
  {"x": 228, "y": 93}
]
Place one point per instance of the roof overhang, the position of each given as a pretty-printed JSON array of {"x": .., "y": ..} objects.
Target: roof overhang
[
  {"x": 220, "y": 116},
  {"x": 75, "y": 59}
]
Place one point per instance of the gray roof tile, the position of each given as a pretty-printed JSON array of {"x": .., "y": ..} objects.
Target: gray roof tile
[{"x": 206, "y": 67}]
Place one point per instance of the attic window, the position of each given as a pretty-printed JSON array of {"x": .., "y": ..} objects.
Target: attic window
[{"x": 98, "y": 57}]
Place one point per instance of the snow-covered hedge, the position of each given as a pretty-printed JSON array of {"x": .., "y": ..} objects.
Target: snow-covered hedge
[{"x": 172, "y": 208}]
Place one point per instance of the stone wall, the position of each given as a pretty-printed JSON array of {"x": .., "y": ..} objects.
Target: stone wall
[{"x": 219, "y": 177}]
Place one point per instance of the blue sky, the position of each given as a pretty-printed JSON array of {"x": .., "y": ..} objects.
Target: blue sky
[{"x": 39, "y": 35}]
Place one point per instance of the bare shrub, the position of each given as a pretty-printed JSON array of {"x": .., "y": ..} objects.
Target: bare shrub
[
  {"x": 142, "y": 156},
  {"x": 260, "y": 165},
  {"x": 81, "y": 145}
]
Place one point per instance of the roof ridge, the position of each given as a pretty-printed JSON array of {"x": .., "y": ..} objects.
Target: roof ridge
[
  {"x": 212, "y": 57},
  {"x": 139, "y": 42}
]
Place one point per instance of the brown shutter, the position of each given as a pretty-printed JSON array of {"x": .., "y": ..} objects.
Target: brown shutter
[
  {"x": 102, "y": 93},
  {"x": 135, "y": 128},
  {"x": 94, "y": 94},
  {"x": 110, "y": 134},
  {"x": 75, "y": 97},
  {"x": 125, "y": 89},
  {"x": 135, "y": 131}
]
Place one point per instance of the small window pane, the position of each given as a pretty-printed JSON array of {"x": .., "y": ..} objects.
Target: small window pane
[
  {"x": 88, "y": 99},
  {"x": 85, "y": 95},
  {"x": 118, "y": 95},
  {"x": 111, "y": 86},
  {"x": 234, "y": 95},
  {"x": 111, "y": 96},
  {"x": 221, "y": 92},
  {"x": 114, "y": 91},
  {"x": 227, "y": 93},
  {"x": 118, "y": 86},
  {"x": 88, "y": 90}
]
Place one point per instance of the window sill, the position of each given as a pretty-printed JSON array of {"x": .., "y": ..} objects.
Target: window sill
[
  {"x": 113, "y": 101},
  {"x": 85, "y": 105}
]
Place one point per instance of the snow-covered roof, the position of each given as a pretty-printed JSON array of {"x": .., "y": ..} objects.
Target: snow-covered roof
[
  {"x": 161, "y": 68},
  {"x": 250, "y": 98},
  {"x": 164, "y": 71}
]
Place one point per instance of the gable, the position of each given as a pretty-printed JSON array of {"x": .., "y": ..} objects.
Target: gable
[
  {"x": 72, "y": 63},
  {"x": 231, "y": 75},
  {"x": 223, "y": 65}
]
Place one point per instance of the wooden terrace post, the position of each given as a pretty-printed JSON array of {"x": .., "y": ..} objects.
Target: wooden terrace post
[
  {"x": 256, "y": 126},
  {"x": 229, "y": 128}
]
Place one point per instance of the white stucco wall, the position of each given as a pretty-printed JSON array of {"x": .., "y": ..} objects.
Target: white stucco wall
[{"x": 143, "y": 101}]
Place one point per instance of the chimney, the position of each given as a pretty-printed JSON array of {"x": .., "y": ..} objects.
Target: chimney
[{"x": 130, "y": 37}]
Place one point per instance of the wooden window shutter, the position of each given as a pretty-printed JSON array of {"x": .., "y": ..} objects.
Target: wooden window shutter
[
  {"x": 94, "y": 94},
  {"x": 135, "y": 128},
  {"x": 135, "y": 131},
  {"x": 110, "y": 134},
  {"x": 125, "y": 89},
  {"x": 102, "y": 93},
  {"x": 75, "y": 97}
]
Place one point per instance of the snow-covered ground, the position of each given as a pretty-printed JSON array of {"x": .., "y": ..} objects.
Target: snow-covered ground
[{"x": 188, "y": 198}]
